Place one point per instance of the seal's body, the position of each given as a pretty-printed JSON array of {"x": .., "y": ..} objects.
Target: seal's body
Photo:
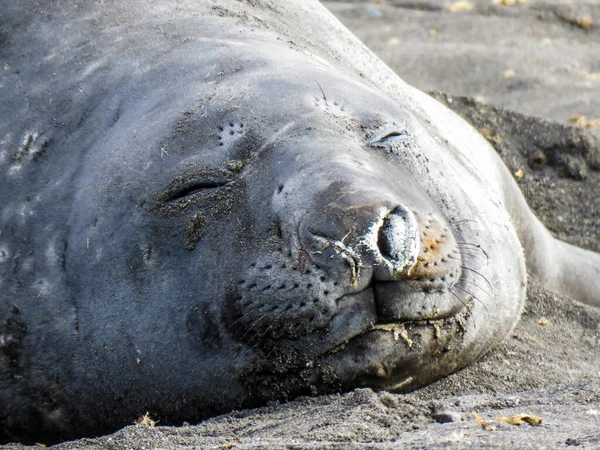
[{"x": 208, "y": 205}]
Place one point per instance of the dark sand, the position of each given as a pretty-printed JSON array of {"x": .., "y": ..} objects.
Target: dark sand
[
  {"x": 550, "y": 366},
  {"x": 554, "y": 58}
]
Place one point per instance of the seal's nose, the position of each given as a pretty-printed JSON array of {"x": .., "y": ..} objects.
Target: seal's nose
[
  {"x": 415, "y": 247},
  {"x": 398, "y": 244},
  {"x": 421, "y": 289}
]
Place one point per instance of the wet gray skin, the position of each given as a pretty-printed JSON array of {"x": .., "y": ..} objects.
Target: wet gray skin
[{"x": 188, "y": 229}]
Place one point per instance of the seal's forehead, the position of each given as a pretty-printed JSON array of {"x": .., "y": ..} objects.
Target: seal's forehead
[
  {"x": 270, "y": 76},
  {"x": 294, "y": 84}
]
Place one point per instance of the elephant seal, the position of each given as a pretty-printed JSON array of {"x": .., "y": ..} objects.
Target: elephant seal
[{"x": 210, "y": 205}]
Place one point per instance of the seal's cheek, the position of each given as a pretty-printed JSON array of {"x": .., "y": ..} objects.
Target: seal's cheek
[
  {"x": 281, "y": 294},
  {"x": 314, "y": 324}
]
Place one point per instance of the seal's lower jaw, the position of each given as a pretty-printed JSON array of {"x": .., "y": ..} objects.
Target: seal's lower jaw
[{"x": 402, "y": 355}]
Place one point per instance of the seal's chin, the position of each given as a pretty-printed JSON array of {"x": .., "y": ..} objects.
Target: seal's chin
[{"x": 401, "y": 353}]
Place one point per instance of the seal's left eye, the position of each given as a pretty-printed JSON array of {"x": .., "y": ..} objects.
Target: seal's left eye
[
  {"x": 389, "y": 137},
  {"x": 195, "y": 186}
]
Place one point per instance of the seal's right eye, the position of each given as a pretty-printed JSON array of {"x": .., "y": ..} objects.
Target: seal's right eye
[{"x": 194, "y": 187}]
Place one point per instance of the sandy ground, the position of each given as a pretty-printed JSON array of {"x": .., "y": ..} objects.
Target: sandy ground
[
  {"x": 550, "y": 366},
  {"x": 538, "y": 57}
]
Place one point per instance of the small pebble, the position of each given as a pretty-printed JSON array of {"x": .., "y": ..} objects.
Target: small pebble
[
  {"x": 509, "y": 74},
  {"x": 370, "y": 11},
  {"x": 461, "y": 6},
  {"x": 585, "y": 22},
  {"x": 447, "y": 416}
]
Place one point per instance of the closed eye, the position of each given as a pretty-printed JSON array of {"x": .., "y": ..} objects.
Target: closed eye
[
  {"x": 390, "y": 136},
  {"x": 194, "y": 187}
]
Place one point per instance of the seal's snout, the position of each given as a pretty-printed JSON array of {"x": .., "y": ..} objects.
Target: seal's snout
[
  {"x": 420, "y": 290},
  {"x": 415, "y": 247}
]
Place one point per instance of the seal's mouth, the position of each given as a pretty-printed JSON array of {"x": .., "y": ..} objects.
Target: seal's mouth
[
  {"x": 394, "y": 334},
  {"x": 358, "y": 349},
  {"x": 397, "y": 324},
  {"x": 401, "y": 271},
  {"x": 389, "y": 354}
]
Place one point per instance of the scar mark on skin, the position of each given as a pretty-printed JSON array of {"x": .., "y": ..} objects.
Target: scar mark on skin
[
  {"x": 32, "y": 146},
  {"x": 4, "y": 254}
]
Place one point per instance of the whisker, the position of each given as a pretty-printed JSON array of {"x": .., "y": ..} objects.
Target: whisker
[
  {"x": 453, "y": 293},
  {"x": 243, "y": 316},
  {"x": 277, "y": 344},
  {"x": 463, "y": 302},
  {"x": 477, "y": 286},
  {"x": 254, "y": 322},
  {"x": 274, "y": 322},
  {"x": 322, "y": 92},
  {"x": 461, "y": 221},
  {"x": 474, "y": 296},
  {"x": 477, "y": 246},
  {"x": 474, "y": 271},
  {"x": 472, "y": 255},
  {"x": 258, "y": 336},
  {"x": 468, "y": 251}
]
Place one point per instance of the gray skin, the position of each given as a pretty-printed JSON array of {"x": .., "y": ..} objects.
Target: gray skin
[{"x": 209, "y": 205}]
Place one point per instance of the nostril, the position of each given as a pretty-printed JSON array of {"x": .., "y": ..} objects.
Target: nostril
[
  {"x": 392, "y": 235},
  {"x": 397, "y": 239}
]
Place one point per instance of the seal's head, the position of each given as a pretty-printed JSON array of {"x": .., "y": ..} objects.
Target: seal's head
[
  {"x": 313, "y": 231},
  {"x": 378, "y": 258}
]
